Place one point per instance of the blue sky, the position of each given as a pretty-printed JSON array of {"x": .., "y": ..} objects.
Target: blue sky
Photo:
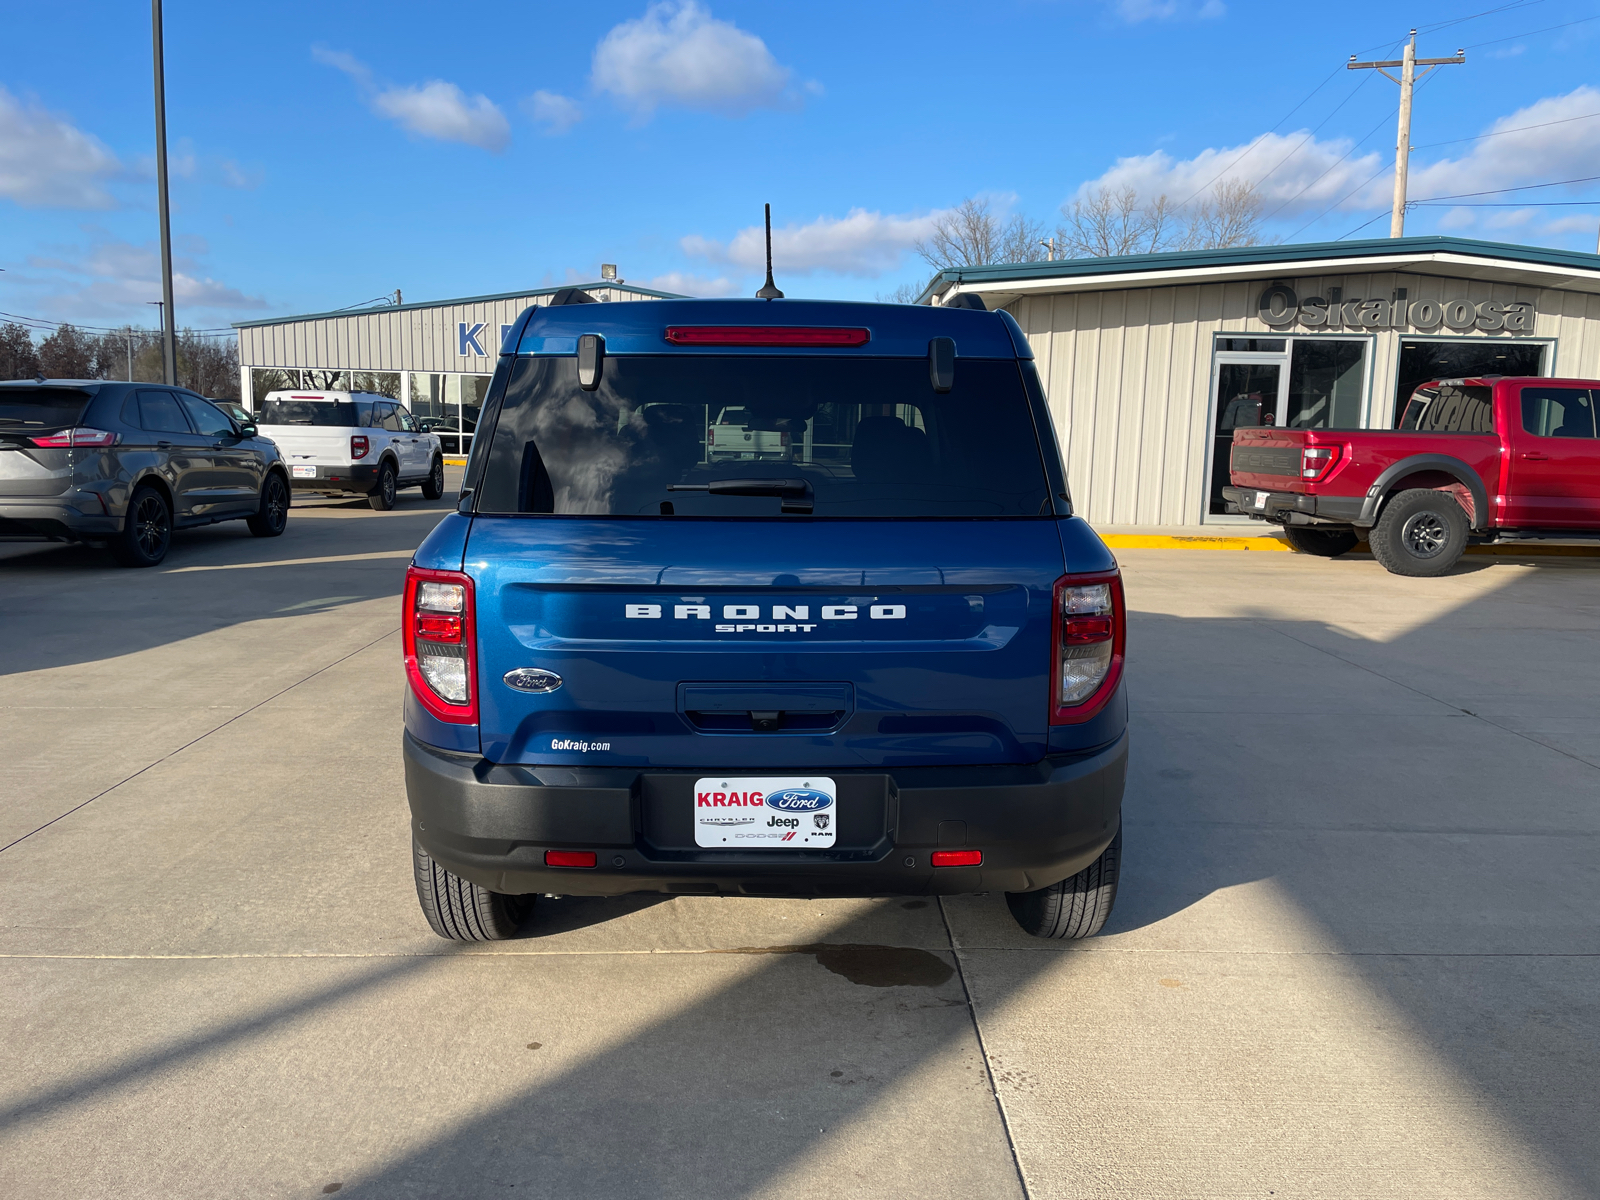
[{"x": 326, "y": 154}]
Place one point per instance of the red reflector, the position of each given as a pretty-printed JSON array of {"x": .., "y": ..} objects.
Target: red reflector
[
  {"x": 439, "y": 627},
  {"x": 1086, "y": 629},
  {"x": 764, "y": 335},
  {"x": 958, "y": 858},
  {"x": 569, "y": 858}
]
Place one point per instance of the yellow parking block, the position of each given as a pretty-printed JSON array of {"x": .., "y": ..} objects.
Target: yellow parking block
[{"x": 1158, "y": 541}]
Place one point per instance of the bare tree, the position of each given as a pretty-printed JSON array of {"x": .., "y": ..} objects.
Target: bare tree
[
  {"x": 906, "y": 293},
  {"x": 1109, "y": 223},
  {"x": 18, "y": 358},
  {"x": 971, "y": 235}
]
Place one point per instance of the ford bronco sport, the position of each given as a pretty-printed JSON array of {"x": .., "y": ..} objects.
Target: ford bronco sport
[{"x": 888, "y": 661}]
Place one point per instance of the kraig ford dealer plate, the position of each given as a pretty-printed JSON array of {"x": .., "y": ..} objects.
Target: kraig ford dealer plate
[{"x": 743, "y": 813}]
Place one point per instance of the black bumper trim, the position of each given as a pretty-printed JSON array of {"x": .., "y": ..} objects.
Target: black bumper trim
[
  {"x": 1035, "y": 824},
  {"x": 362, "y": 477},
  {"x": 1296, "y": 508}
]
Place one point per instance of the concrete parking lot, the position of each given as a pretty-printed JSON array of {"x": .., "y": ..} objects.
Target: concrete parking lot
[{"x": 1355, "y": 952}]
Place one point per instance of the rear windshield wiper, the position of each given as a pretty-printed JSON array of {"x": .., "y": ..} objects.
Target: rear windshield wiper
[{"x": 796, "y": 494}]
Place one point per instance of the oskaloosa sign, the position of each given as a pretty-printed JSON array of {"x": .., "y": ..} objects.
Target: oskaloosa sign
[{"x": 1279, "y": 307}]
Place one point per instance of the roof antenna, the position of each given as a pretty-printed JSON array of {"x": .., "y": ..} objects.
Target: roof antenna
[{"x": 769, "y": 290}]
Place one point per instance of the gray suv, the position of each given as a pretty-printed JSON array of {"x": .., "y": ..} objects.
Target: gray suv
[{"x": 124, "y": 464}]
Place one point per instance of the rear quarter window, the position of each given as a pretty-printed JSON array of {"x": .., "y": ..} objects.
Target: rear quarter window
[
  {"x": 870, "y": 436},
  {"x": 1451, "y": 408}
]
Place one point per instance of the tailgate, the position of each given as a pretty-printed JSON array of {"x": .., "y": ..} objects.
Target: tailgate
[
  {"x": 1267, "y": 458},
  {"x": 323, "y": 446},
  {"x": 785, "y": 644}
]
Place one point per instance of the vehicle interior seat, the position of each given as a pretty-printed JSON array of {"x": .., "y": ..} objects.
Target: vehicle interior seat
[{"x": 887, "y": 450}]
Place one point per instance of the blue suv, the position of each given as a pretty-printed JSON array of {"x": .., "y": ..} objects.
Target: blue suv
[{"x": 764, "y": 597}]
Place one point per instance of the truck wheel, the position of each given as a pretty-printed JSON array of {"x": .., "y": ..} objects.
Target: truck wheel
[
  {"x": 1422, "y": 532},
  {"x": 272, "y": 518},
  {"x": 462, "y": 911},
  {"x": 433, "y": 485},
  {"x": 1074, "y": 908},
  {"x": 381, "y": 497},
  {"x": 1324, "y": 543},
  {"x": 146, "y": 532}
]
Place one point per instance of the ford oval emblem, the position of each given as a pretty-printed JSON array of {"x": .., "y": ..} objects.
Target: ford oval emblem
[
  {"x": 532, "y": 679},
  {"x": 799, "y": 800}
]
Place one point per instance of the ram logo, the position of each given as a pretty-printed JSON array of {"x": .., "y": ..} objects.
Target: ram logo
[{"x": 799, "y": 800}]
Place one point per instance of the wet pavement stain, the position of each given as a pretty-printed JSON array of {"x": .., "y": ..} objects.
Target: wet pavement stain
[{"x": 869, "y": 966}]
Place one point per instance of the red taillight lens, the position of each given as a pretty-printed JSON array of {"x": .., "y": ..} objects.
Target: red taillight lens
[
  {"x": 765, "y": 335},
  {"x": 1089, "y": 631},
  {"x": 569, "y": 858},
  {"x": 711, "y": 435},
  {"x": 358, "y": 446},
  {"x": 76, "y": 437},
  {"x": 957, "y": 858},
  {"x": 437, "y": 622},
  {"x": 1315, "y": 461}
]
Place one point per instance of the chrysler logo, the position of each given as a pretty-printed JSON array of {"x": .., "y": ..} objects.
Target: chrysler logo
[{"x": 532, "y": 679}]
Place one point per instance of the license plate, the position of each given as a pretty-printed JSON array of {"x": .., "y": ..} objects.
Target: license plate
[
  {"x": 1261, "y": 499},
  {"x": 304, "y": 472},
  {"x": 759, "y": 813}
]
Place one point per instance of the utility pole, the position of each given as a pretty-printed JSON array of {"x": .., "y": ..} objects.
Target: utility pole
[
  {"x": 169, "y": 347},
  {"x": 1402, "y": 147},
  {"x": 1049, "y": 245}
]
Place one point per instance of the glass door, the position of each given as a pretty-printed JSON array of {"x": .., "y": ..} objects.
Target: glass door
[{"x": 1250, "y": 392}]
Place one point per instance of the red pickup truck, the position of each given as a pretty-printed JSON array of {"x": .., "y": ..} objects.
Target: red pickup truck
[{"x": 1491, "y": 459}]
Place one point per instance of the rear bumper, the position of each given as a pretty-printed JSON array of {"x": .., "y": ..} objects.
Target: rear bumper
[
  {"x": 54, "y": 517},
  {"x": 1295, "y": 508},
  {"x": 1035, "y": 824},
  {"x": 361, "y": 477}
]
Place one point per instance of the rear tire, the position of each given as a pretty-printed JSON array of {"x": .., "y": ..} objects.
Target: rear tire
[
  {"x": 381, "y": 497},
  {"x": 1324, "y": 543},
  {"x": 433, "y": 485},
  {"x": 146, "y": 531},
  {"x": 1076, "y": 907},
  {"x": 1421, "y": 533},
  {"x": 462, "y": 911},
  {"x": 272, "y": 517}
]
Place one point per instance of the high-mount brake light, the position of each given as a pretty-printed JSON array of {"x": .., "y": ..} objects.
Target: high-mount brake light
[
  {"x": 1089, "y": 632},
  {"x": 359, "y": 445},
  {"x": 1316, "y": 461},
  {"x": 765, "y": 335},
  {"x": 81, "y": 436},
  {"x": 436, "y": 627}
]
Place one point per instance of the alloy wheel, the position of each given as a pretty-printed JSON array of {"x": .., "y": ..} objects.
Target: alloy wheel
[
  {"x": 1425, "y": 534},
  {"x": 151, "y": 526},
  {"x": 277, "y": 502}
]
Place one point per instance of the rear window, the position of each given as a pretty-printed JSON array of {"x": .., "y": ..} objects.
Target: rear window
[
  {"x": 869, "y": 435},
  {"x": 309, "y": 412},
  {"x": 23, "y": 409},
  {"x": 1451, "y": 408}
]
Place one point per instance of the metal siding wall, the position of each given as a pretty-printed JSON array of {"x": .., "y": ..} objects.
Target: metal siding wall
[{"x": 1128, "y": 374}]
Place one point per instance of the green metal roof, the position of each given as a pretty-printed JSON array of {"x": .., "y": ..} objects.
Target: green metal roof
[
  {"x": 548, "y": 291},
  {"x": 1265, "y": 255}
]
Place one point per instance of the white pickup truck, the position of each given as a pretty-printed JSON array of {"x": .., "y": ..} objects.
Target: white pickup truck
[
  {"x": 352, "y": 442},
  {"x": 732, "y": 436}
]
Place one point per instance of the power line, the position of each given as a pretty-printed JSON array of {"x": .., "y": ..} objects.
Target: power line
[
  {"x": 1502, "y": 132},
  {"x": 1384, "y": 120},
  {"x": 1527, "y": 187},
  {"x": 1531, "y": 32},
  {"x": 1512, "y": 204},
  {"x": 1358, "y": 228},
  {"x": 216, "y": 331},
  {"x": 1488, "y": 12}
]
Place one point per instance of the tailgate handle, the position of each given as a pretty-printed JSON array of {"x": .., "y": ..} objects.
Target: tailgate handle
[{"x": 765, "y": 708}]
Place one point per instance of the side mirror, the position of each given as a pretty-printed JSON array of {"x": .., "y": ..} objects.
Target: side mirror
[{"x": 247, "y": 429}]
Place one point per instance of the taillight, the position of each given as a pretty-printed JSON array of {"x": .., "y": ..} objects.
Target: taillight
[
  {"x": 358, "y": 446},
  {"x": 436, "y": 626},
  {"x": 711, "y": 435},
  {"x": 1089, "y": 632},
  {"x": 1315, "y": 461},
  {"x": 783, "y": 440},
  {"x": 76, "y": 437}
]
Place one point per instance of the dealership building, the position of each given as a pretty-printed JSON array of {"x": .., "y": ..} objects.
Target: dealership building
[
  {"x": 1151, "y": 361},
  {"x": 436, "y": 357}
]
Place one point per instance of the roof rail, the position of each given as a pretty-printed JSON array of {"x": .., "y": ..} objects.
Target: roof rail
[{"x": 572, "y": 295}]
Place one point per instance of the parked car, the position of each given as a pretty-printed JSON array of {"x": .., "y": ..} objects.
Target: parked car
[
  {"x": 353, "y": 442},
  {"x": 240, "y": 414},
  {"x": 890, "y": 666},
  {"x": 739, "y": 433},
  {"x": 1490, "y": 459},
  {"x": 124, "y": 464}
]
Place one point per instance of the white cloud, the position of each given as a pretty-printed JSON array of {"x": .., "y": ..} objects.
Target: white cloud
[
  {"x": 1575, "y": 224},
  {"x": 435, "y": 109},
  {"x": 861, "y": 243},
  {"x": 1295, "y": 170},
  {"x": 557, "y": 113},
  {"x": 1566, "y": 150},
  {"x": 47, "y": 162},
  {"x": 678, "y": 53},
  {"x": 112, "y": 280},
  {"x": 690, "y": 285}
]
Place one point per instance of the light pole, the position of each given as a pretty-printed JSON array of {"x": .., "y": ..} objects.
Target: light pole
[{"x": 169, "y": 347}]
